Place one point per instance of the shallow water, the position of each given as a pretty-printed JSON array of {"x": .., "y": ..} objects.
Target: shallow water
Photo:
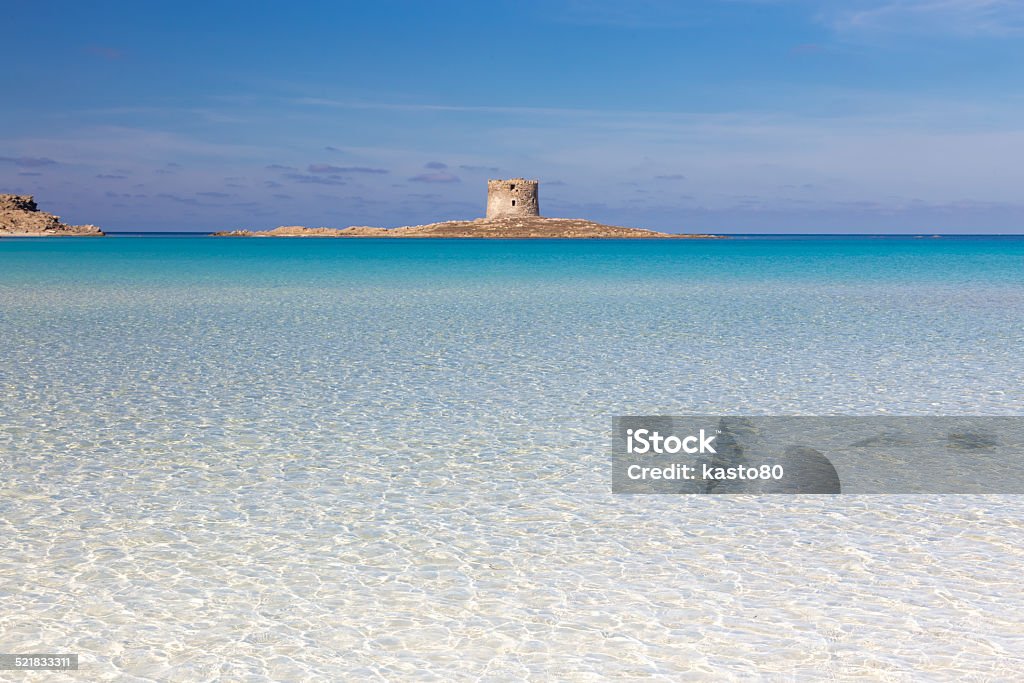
[{"x": 371, "y": 459}]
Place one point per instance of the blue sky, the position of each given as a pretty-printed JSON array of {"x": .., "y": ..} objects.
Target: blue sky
[{"x": 721, "y": 115}]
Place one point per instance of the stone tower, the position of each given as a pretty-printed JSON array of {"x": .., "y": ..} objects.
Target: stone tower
[{"x": 515, "y": 197}]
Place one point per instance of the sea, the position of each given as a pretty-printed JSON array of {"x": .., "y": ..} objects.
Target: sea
[{"x": 379, "y": 460}]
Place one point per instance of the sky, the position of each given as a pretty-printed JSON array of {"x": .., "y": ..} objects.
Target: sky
[{"x": 726, "y": 116}]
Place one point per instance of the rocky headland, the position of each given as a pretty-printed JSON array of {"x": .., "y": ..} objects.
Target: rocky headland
[
  {"x": 20, "y": 217},
  {"x": 518, "y": 227}
]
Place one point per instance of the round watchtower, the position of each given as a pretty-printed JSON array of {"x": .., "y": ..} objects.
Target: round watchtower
[{"x": 515, "y": 197}]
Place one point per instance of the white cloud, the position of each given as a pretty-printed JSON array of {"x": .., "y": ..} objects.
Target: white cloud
[
  {"x": 948, "y": 17},
  {"x": 940, "y": 17}
]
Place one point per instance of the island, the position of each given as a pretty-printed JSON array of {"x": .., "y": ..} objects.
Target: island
[
  {"x": 513, "y": 212},
  {"x": 21, "y": 217},
  {"x": 501, "y": 228}
]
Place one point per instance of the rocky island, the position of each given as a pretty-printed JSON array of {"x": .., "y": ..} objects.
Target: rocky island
[
  {"x": 20, "y": 217},
  {"x": 512, "y": 213},
  {"x": 496, "y": 228}
]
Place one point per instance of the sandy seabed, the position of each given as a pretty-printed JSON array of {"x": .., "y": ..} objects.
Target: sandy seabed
[{"x": 298, "y": 480}]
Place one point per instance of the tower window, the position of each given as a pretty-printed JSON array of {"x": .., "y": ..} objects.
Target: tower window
[
  {"x": 513, "y": 202},
  {"x": 512, "y": 186}
]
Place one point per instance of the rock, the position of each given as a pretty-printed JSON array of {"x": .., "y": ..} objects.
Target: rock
[
  {"x": 21, "y": 217},
  {"x": 753, "y": 443},
  {"x": 233, "y": 233}
]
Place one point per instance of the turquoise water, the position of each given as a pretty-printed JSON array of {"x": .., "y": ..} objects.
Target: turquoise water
[
  {"x": 116, "y": 259},
  {"x": 339, "y": 459}
]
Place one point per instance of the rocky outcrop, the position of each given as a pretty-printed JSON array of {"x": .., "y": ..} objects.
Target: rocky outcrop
[
  {"x": 519, "y": 227},
  {"x": 21, "y": 217}
]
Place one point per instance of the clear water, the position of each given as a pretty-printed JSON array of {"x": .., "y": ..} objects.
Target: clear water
[{"x": 227, "y": 459}]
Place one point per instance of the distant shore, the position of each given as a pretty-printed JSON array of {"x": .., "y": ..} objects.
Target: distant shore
[{"x": 520, "y": 227}]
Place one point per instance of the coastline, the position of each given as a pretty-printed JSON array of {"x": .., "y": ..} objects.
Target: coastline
[{"x": 51, "y": 234}]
